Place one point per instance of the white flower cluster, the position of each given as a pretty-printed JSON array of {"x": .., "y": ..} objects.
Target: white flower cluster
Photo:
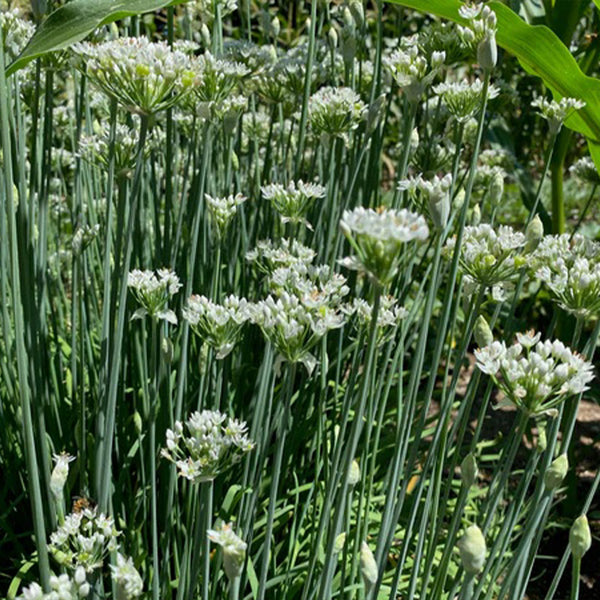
[
  {"x": 62, "y": 587},
  {"x": 377, "y": 237},
  {"x": 535, "y": 376},
  {"x": 436, "y": 192},
  {"x": 480, "y": 33},
  {"x": 585, "y": 169},
  {"x": 219, "y": 325},
  {"x": 462, "y": 99},
  {"x": 267, "y": 256},
  {"x": 83, "y": 237},
  {"x": 145, "y": 77},
  {"x": 212, "y": 444},
  {"x": 207, "y": 8},
  {"x": 292, "y": 327},
  {"x": 317, "y": 287},
  {"x": 294, "y": 201},
  {"x": 14, "y": 32},
  {"x": 490, "y": 257},
  {"x": 84, "y": 540},
  {"x": 222, "y": 211},
  {"x": 390, "y": 314},
  {"x": 411, "y": 71},
  {"x": 126, "y": 576},
  {"x": 570, "y": 268},
  {"x": 218, "y": 78},
  {"x": 234, "y": 549},
  {"x": 153, "y": 292},
  {"x": 334, "y": 111},
  {"x": 557, "y": 112}
]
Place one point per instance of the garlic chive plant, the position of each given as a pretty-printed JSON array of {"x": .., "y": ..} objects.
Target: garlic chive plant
[{"x": 291, "y": 305}]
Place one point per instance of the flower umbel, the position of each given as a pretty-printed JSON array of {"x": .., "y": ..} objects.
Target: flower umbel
[
  {"x": 234, "y": 549},
  {"x": 207, "y": 444},
  {"x": 153, "y": 292}
]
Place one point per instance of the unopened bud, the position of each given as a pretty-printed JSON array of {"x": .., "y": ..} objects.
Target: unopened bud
[
  {"x": 167, "y": 350},
  {"x": 487, "y": 51},
  {"x": 333, "y": 37},
  {"x": 472, "y": 550},
  {"x": 496, "y": 188},
  {"x": 580, "y": 537},
  {"x": 275, "y": 27},
  {"x": 482, "y": 332},
  {"x": 339, "y": 543},
  {"x": 556, "y": 472},
  {"x": 368, "y": 566},
  {"x": 358, "y": 12},
  {"x": 137, "y": 422},
  {"x": 469, "y": 470},
  {"x": 205, "y": 34},
  {"x": 476, "y": 215},
  {"x": 59, "y": 475},
  {"x": 534, "y": 234},
  {"x": 354, "y": 473}
]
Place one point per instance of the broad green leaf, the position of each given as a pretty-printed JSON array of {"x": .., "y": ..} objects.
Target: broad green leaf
[
  {"x": 542, "y": 54},
  {"x": 74, "y": 21}
]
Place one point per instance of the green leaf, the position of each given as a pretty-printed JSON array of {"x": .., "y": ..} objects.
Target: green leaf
[
  {"x": 541, "y": 53},
  {"x": 74, "y": 21}
]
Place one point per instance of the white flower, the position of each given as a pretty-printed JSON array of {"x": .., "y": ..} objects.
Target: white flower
[
  {"x": 267, "y": 257},
  {"x": 222, "y": 211},
  {"x": 585, "y": 169},
  {"x": 570, "y": 268},
  {"x": 234, "y": 549},
  {"x": 127, "y": 577},
  {"x": 490, "y": 257},
  {"x": 214, "y": 442},
  {"x": 219, "y": 325},
  {"x": 153, "y": 292},
  {"x": 14, "y": 31},
  {"x": 59, "y": 475},
  {"x": 335, "y": 111},
  {"x": 294, "y": 201},
  {"x": 557, "y": 112},
  {"x": 84, "y": 540},
  {"x": 145, "y": 77},
  {"x": 437, "y": 194},
  {"x": 462, "y": 99},
  {"x": 536, "y": 376},
  {"x": 378, "y": 236}
]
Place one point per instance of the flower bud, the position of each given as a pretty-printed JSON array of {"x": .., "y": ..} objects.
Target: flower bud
[
  {"x": 205, "y": 34},
  {"x": 275, "y": 27},
  {"x": 39, "y": 8},
  {"x": 487, "y": 51},
  {"x": 339, "y": 543},
  {"x": 167, "y": 350},
  {"x": 556, "y": 472},
  {"x": 496, "y": 188},
  {"x": 137, "y": 422},
  {"x": 59, "y": 475},
  {"x": 482, "y": 332},
  {"x": 333, "y": 37},
  {"x": 580, "y": 537},
  {"x": 368, "y": 566},
  {"x": 476, "y": 215},
  {"x": 472, "y": 550},
  {"x": 534, "y": 234},
  {"x": 358, "y": 12},
  {"x": 469, "y": 470},
  {"x": 354, "y": 473}
]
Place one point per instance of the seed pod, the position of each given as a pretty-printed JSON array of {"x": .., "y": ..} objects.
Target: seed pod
[
  {"x": 368, "y": 566},
  {"x": 472, "y": 550},
  {"x": 580, "y": 537},
  {"x": 469, "y": 470},
  {"x": 556, "y": 472}
]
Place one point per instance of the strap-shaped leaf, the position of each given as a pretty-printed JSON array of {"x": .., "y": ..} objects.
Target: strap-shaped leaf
[
  {"x": 541, "y": 53},
  {"x": 77, "y": 19}
]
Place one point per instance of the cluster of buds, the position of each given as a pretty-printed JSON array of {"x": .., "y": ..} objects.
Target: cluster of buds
[
  {"x": 83, "y": 237},
  {"x": 294, "y": 201},
  {"x": 462, "y": 99},
  {"x": 535, "y": 376},
  {"x": 390, "y": 315},
  {"x": 556, "y": 113},
  {"x": 153, "y": 292},
  {"x": 62, "y": 587},
  {"x": 585, "y": 169},
  {"x": 14, "y": 32},
  {"x": 293, "y": 328},
  {"x": 378, "y": 238},
  {"x": 411, "y": 71},
  {"x": 207, "y": 444},
  {"x": 335, "y": 111},
  {"x": 84, "y": 540},
  {"x": 222, "y": 211},
  {"x": 145, "y": 77},
  {"x": 127, "y": 578},
  {"x": 569, "y": 266},
  {"x": 436, "y": 193},
  {"x": 219, "y": 325},
  {"x": 480, "y": 33},
  {"x": 267, "y": 257},
  {"x": 490, "y": 257},
  {"x": 218, "y": 78}
]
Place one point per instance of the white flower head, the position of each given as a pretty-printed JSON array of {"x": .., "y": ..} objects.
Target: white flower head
[
  {"x": 126, "y": 576},
  {"x": 335, "y": 111},
  {"x": 222, "y": 211},
  {"x": 557, "y": 112},
  {"x": 293, "y": 201},
  {"x": 234, "y": 549},
  {"x": 154, "y": 291}
]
